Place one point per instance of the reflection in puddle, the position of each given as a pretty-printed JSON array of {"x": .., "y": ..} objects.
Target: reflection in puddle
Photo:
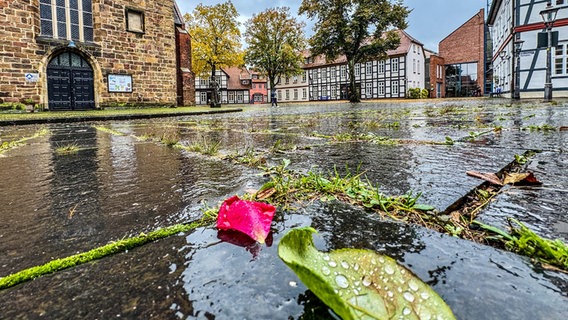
[{"x": 53, "y": 206}]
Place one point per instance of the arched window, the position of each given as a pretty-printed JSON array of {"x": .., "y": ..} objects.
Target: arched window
[{"x": 67, "y": 19}]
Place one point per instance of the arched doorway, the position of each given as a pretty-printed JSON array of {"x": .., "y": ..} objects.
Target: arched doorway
[{"x": 70, "y": 83}]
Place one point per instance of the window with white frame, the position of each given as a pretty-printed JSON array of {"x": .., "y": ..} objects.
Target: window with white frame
[
  {"x": 231, "y": 96},
  {"x": 369, "y": 68},
  {"x": 279, "y": 94},
  {"x": 304, "y": 93},
  {"x": 287, "y": 81},
  {"x": 369, "y": 89},
  {"x": 304, "y": 77},
  {"x": 394, "y": 88},
  {"x": 287, "y": 94},
  {"x": 71, "y": 19},
  {"x": 381, "y": 88},
  {"x": 560, "y": 60},
  {"x": 324, "y": 74},
  {"x": 324, "y": 91},
  {"x": 414, "y": 65},
  {"x": 343, "y": 71},
  {"x": 295, "y": 79},
  {"x": 203, "y": 96},
  {"x": 334, "y": 92},
  {"x": 295, "y": 94},
  {"x": 357, "y": 70},
  {"x": 394, "y": 64},
  {"x": 381, "y": 66}
]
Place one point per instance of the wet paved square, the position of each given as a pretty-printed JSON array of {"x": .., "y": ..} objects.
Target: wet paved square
[{"x": 55, "y": 205}]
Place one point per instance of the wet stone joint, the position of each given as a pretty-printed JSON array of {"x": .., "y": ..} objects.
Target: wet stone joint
[{"x": 419, "y": 210}]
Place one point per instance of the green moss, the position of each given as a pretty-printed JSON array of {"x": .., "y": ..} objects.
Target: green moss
[
  {"x": 100, "y": 252},
  {"x": 68, "y": 149},
  {"x": 7, "y": 145}
]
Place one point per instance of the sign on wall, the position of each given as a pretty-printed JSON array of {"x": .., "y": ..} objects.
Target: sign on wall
[
  {"x": 32, "y": 77},
  {"x": 120, "y": 83}
]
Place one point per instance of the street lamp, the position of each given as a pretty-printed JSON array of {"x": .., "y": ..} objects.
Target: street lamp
[
  {"x": 518, "y": 46},
  {"x": 548, "y": 16}
]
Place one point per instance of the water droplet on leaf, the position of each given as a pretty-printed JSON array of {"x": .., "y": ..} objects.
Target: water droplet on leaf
[
  {"x": 367, "y": 281},
  {"x": 408, "y": 296},
  {"x": 389, "y": 269},
  {"x": 413, "y": 285},
  {"x": 341, "y": 281},
  {"x": 325, "y": 270}
]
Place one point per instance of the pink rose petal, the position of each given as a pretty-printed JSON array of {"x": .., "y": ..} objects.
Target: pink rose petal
[{"x": 249, "y": 217}]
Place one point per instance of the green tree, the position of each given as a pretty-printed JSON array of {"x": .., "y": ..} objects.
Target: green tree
[
  {"x": 360, "y": 30},
  {"x": 215, "y": 40},
  {"x": 275, "y": 42}
]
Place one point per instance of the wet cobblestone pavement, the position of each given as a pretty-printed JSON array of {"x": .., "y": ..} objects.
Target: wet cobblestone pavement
[{"x": 118, "y": 185}]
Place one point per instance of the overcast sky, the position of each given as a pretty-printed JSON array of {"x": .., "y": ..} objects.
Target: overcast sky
[{"x": 429, "y": 22}]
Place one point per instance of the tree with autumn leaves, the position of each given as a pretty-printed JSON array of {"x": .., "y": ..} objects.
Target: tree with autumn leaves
[
  {"x": 275, "y": 42},
  {"x": 360, "y": 30},
  {"x": 215, "y": 39}
]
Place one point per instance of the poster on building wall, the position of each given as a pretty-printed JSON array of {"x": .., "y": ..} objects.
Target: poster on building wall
[{"x": 119, "y": 83}]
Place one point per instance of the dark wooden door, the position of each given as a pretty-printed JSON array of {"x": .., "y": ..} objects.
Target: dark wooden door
[{"x": 70, "y": 83}]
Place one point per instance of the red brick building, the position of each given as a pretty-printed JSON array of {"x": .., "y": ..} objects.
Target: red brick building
[
  {"x": 435, "y": 77},
  {"x": 80, "y": 55},
  {"x": 464, "y": 54}
]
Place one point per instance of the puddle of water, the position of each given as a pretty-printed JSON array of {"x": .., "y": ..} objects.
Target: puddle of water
[
  {"x": 56, "y": 205},
  {"x": 116, "y": 185},
  {"x": 198, "y": 276},
  {"x": 542, "y": 208}
]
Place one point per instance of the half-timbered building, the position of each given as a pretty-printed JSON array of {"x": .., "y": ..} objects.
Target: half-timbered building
[
  {"x": 387, "y": 78},
  {"x": 515, "y": 28},
  {"x": 233, "y": 83}
]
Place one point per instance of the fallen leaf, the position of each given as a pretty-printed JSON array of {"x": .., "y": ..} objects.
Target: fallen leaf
[
  {"x": 491, "y": 177},
  {"x": 359, "y": 283},
  {"x": 264, "y": 194},
  {"x": 525, "y": 178},
  {"x": 455, "y": 217},
  {"x": 249, "y": 217}
]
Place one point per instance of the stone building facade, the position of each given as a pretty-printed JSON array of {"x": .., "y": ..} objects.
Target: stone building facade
[
  {"x": 464, "y": 54},
  {"x": 86, "y": 54}
]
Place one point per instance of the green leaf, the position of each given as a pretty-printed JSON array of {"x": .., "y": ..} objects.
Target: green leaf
[
  {"x": 360, "y": 284},
  {"x": 423, "y": 207}
]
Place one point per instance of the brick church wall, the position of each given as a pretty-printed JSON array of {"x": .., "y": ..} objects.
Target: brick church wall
[
  {"x": 150, "y": 57},
  {"x": 18, "y": 54},
  {"x": 186, "y": 78}
]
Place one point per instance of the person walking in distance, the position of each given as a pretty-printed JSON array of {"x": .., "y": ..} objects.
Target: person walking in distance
[{"x": 273, "y": 99}]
